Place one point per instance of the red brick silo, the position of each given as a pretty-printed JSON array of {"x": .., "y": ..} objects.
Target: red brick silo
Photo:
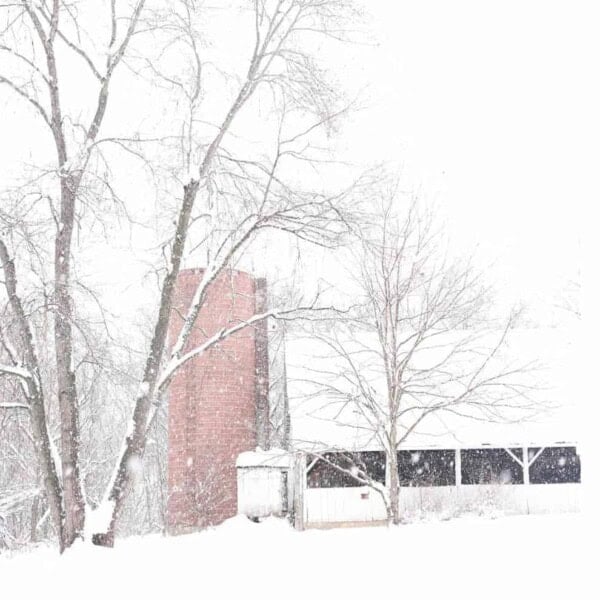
[{"x": 213, "y": 400}]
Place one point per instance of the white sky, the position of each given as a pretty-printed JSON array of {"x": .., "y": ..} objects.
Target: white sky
[{"x": 490, "y": 109}]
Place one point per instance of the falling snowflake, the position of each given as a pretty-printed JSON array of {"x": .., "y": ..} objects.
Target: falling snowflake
[{"x": 505, "y": 476}]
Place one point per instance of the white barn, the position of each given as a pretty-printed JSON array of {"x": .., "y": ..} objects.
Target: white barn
[{"x": 448, "y": 465}]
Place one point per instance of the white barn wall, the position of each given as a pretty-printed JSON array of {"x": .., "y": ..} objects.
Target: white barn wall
[
  {"x": 338, "y": 505},
  {"x": 346, "y": 505}
]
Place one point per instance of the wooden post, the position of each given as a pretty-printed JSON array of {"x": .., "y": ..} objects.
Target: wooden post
[
  {"x": 457, "y": 476},
  {"x": 525, "y": 466},
  {"x": 526, "y": 476},
  {"x": 299, "y": 486}
]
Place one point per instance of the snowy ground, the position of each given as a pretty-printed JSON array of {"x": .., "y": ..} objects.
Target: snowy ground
[{"x": 529, "y": 557}]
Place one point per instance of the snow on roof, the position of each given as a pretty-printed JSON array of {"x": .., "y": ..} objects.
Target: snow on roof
[
  {"x": 275, "y": 458},
  {"x": 315, "y": 424}
]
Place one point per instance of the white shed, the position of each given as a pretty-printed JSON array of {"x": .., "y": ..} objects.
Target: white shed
[{"x": 264, "y": 483}]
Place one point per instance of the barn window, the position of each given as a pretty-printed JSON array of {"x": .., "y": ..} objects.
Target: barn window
[
  {"x": 420, "y": 468},
  {"x": 491, "y": 465},
  {"x": 554, "y": 465},
  {"x": 337, "y": 469}
]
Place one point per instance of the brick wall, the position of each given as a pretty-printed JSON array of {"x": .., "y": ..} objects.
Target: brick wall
[{"x": 212, "y": 407}]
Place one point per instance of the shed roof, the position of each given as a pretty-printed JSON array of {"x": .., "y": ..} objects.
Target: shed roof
[{"x": 274, "y": 458}]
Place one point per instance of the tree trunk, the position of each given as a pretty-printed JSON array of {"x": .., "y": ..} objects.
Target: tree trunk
[
  {"x": 65, "y": 377},
  {"x": 35, "y": 510},
  {"x": 35, "y": 396},
  {"x": 136, "y": 440},
  {"x": 394, "y": 483}
]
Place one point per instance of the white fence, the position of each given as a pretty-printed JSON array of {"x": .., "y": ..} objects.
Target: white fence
[{"x": 363, "y": 504}]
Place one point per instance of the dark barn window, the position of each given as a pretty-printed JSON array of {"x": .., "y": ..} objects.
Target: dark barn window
[
  {"x": 420, "y": 468},
  {"x": 327, "y": 471},
  {"x": 491, "y": 465},
  {"x": 555, "y": 465}
]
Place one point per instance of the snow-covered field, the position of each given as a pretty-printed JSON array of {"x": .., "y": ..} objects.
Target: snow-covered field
[{"x": 528, "y": 557}]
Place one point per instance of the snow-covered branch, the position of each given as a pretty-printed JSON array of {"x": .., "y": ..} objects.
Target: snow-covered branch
[
  {"x": 16, "y": 371},
  {"x": 177, "y": 361},
  {"x": 14, "y": 405}
]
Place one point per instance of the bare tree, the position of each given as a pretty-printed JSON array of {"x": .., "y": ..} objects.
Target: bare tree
[
  {"x": 222, "y": 195},
  {"x": 42, "y": 28},
  {"x": 419, "y": 343},
  {"x": 570, "y": 300}
]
